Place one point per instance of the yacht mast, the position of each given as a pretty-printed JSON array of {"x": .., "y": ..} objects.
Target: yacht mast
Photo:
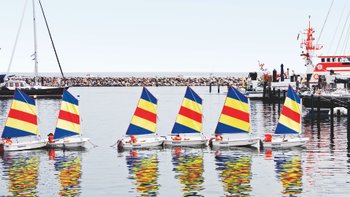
[{"x": 35, "y": 55}]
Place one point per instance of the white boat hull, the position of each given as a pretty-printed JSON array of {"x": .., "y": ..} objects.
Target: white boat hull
[
  {"x": 144, "y": 142},
  {"x": 235, "y": 142},
  {"x": 192, "y": 141},
  {"x": 73, "y": 142},
  {"x": 24, "y": 145},
  {"x": 280, "y": 143}
]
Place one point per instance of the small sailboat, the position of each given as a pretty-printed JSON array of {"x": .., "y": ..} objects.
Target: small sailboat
[
  {"x": 187, "y": 130},
  {"x": 289, "y": 127},
  {"x": 233, "y": 128},
  {"x": 143, "y": 125},
  {"x": 68, "y": 131},
  {"x": 22, "y": 125}
]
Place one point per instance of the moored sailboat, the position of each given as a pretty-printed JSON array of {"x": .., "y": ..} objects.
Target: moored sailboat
[
  {"x": 68, "y": 132},
  {"x": 187, "y": 130},
  {"x": 233, "y": 128},
  {"x": 21, "y": 128},
  {"x": 8, "y": 84},
  {"x": 141, "y": 132},
  {"x": 289, "y": 127}
]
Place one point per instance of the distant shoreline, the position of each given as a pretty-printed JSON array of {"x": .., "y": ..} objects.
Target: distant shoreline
[
  {"x": 92, "y": 81},
  {"x": 135, "y": 74}
]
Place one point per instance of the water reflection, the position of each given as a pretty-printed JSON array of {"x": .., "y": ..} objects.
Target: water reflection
[
  {"x": 21, "y": 169},
  {"x": 235, "y": 172},
  {"x": 289, "y": 172},
  {"x": 189, "y": 168},
  {"x": 68, "y": 166},
  {"x": 143, "y": 168}
]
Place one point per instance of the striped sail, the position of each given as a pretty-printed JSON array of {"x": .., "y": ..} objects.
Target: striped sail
[
  {"x": 68, "y": 123},
  {"x": 189, "y": 119},
  {"x": 235, "y": 115},
  {"x": 144, "y": 119},
  {"x": 22, "y": 118},
  {"x": 289, "y": 121}
]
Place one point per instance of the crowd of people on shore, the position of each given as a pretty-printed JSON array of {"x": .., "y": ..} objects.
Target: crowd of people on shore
[{"x": 90, "y": 81}]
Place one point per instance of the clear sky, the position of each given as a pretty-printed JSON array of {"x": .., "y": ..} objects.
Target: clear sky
[{"x": 165, "y": 35}]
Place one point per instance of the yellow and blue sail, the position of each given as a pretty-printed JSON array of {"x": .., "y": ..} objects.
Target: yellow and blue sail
[
  {"x": 235, "y": 115},
  {"x": 144, "y": 120},
  {"x": 68, "y": 123},
  {"x": 289, "y": 121},
  {"x": 189, "y": 118},
  {"x": 22, "y": 118}
]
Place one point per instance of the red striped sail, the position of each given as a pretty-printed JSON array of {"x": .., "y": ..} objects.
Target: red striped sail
[{"x": 144, "y": 119}]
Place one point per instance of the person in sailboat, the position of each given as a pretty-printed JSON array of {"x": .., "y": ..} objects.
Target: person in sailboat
[
  {"x": 8, "y": 141},
  {"x": 177, "y": 137},
  {"x": 133, "y": 139},
  {"x": 218, "y": 137},
  {"x": 50, "y": 138}
]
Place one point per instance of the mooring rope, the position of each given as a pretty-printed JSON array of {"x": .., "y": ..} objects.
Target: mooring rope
[{"x": 94, "y": 145}]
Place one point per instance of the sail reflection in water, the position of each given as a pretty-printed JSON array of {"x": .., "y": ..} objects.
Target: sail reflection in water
[
  {"x": 289, "y": 172},
  {"x": 21, "y": 169},
  {"x": 143, "y": 168},
  {"x": 189, "y": 169},
  {"x": 69, "y": 172},
  {"x": 235, "y": 172}
]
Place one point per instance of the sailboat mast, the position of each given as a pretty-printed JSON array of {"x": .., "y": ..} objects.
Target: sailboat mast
[{"x": 35, "y": 55}]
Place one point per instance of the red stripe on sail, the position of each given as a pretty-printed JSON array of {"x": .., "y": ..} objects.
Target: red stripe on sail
[
  {"x": 191, "y": 114},
  {"x": 146, "y": 115},
  {"x": 70, "y": 117},
  {"x": 23, "y": 116},
  {"x": 291, "y": 114},
  {"x": 235, "y": 113}
]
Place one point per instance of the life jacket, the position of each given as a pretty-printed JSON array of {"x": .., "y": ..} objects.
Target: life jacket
[
  {"x": 177, "y": 137},
  {"x": 133, "y": 139},
  {"x": 268, "y": 137},
  {"x": 51, "y": 139},
  {"x": 8, "y": 141}
]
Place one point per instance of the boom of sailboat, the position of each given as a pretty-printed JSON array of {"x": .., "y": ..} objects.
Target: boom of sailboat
[{"x": 233, "y": 127}]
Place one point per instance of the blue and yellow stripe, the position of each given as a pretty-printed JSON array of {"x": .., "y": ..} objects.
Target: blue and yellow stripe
[
  {"x": 189, "y": 119},
  {"x": 68, "y": 123},
  {"x": 144, "y": 120},
  {"x": 22, "y": 117},
  {"x": 235, "y": 115},
  {"x": 289, "y": 121}
]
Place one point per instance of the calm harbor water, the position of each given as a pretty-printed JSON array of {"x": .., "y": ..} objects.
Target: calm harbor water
[{"x": 322, "y": 168}]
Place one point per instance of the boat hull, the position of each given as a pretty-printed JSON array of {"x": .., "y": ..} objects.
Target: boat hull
[
  {"x": 24, "y": 145},
  {"x": 51, "y": 92},
  {"x": 235, "y": 142},
  {"x": 325, "y": 101},
  {"x": 192, "y": 141},
  {"x": 280, "y": 143},
  {"x": 145, "y": 142},
  {"x": 68, "y": 143}
]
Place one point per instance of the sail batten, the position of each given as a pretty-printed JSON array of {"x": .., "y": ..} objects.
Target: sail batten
[
  {"x": 235, "y": 114},
  {"x": 22, "y": 118},
  {"x": 290, "y": 119},
  {"x": 68, "y": 123},
  {"x": 189, "y": 118},
  {"x": 144, "y": 120}
]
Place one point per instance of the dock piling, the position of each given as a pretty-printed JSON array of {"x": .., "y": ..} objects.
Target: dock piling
[
  {"x": 318, "y": 113},
  {"x": 332, "y": 117},
  {"x": 312, "y": 110},
  {"x": 279, "y": 100},
  {"x": 348, "y": 115}
]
